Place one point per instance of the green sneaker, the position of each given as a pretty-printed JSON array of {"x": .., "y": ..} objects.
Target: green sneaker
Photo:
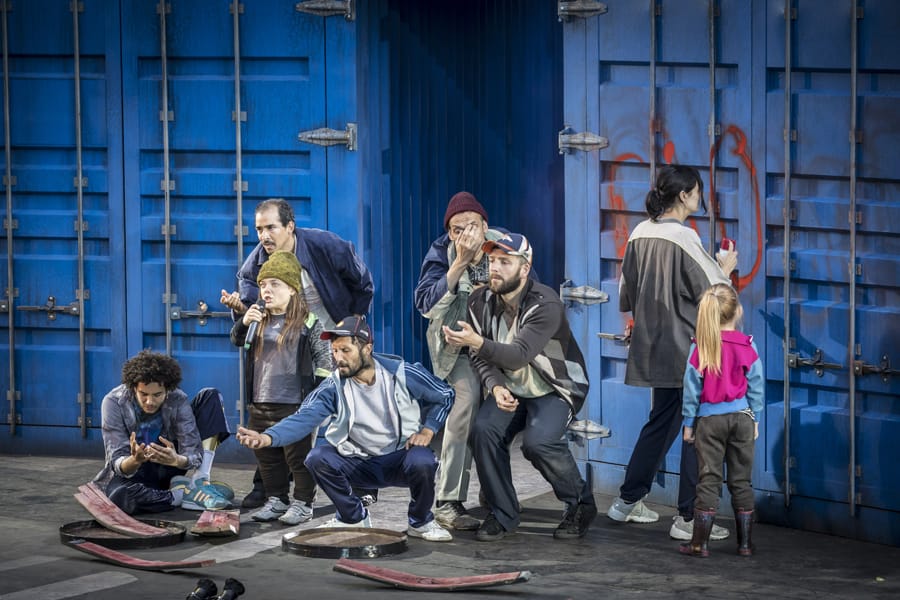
[{"x": 198, "y": 497}]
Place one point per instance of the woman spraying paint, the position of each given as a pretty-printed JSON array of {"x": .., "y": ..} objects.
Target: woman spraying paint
[{"x": 723, "y": 397}]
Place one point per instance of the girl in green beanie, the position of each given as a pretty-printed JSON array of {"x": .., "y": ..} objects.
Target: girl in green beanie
[{"x": 283, "y": 363}]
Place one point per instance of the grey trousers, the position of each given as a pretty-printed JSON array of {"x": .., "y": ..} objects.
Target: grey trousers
[
  {"x": 456, "y": 456},
  {"x": 727, "y": 438}
]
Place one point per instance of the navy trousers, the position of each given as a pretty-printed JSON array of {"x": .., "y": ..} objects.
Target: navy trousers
[
  {"x": 655, "y": 439},
  {"x": 337, "y": 476},
  {"x": 543, "y": 421}
]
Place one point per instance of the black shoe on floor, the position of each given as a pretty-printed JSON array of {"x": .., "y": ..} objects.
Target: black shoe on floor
[
  {"x": 491, "y": 530},
  {"x": 255, "y": 499},
  {"x": 576, "y": 522}
]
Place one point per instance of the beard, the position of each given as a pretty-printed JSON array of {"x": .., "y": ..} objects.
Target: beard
[
  {"x": 504, "y": 286},
  {"x": 356, "y": 366}
]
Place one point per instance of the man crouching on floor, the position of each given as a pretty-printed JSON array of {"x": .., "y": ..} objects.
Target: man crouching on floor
[{"x": 384, "y": 412}]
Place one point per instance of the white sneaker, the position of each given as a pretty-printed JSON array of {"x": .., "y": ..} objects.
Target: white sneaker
[
  {"x": 298, "y": 512},
  {"x": 637, "y": 512},
  {"x": 271, "y": 510},
  {"x": 430, "y": 532},
  {"x": 335, "y": 522},
  {"x": 684, "y": 530}
]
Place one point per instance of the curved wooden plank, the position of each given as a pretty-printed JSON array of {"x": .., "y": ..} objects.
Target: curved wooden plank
[{"x": 408, "y": 581}]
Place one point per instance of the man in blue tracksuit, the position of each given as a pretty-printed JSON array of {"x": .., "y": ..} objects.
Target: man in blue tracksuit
[{"x": 383, "y": 414}]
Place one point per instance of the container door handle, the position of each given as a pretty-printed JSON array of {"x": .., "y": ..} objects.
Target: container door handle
[
  {"x": 51, "y": 308},
  {"x": 816, "y": 361},
  {"x": 883, "y": 368}
]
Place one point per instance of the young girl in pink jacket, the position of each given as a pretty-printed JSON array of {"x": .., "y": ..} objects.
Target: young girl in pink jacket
[{"x": 723, "y": 397}]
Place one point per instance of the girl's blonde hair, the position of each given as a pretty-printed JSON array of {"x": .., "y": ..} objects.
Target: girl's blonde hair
[
  {"x": 718, "y": 306},
  {"x": 294, "y": 318}
]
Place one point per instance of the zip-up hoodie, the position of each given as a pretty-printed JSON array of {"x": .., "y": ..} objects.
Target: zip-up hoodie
[
  {"x": 740, "y": 386},
  {"x": 422, "y": 400}
]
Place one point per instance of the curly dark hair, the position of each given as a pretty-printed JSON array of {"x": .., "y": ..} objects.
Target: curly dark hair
[{"x": 151, "y": 367}]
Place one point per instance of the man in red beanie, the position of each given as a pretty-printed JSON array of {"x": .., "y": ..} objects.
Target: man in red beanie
[{"x": 453, "y": 268}]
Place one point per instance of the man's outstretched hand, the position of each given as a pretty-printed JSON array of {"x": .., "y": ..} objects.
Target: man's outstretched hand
[{"x": 253, "y": 439}]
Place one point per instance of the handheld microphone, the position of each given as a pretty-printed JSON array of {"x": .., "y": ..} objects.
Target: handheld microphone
[{"x": 251, "y": 331}]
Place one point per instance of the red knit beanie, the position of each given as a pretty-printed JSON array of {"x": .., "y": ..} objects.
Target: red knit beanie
[{"x": 463, "y": 202}]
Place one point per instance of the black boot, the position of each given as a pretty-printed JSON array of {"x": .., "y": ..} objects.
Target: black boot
[
  {"x": 205, "y": 590},
  {"x": 744, "y": 521},
  {"x": 257, "y": 496},
  {"x": 699, "y": 544},
  {"x": 233, "y": 588}
]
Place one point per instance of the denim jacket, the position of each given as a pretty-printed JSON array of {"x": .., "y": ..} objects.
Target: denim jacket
[{"x": 120, "y": 421}]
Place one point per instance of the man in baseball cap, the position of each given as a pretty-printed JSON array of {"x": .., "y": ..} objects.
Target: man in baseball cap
[
  {"x": 521, "y": 345},
  {"x": 396, "y": 409}
]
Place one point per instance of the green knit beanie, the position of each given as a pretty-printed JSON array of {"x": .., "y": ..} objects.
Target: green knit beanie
[{"x": 281, "y": 265}]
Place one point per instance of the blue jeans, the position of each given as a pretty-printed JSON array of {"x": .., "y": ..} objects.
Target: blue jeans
[
  {"x": 543, "y": 421},
  {"x": 337, "y": 476}
]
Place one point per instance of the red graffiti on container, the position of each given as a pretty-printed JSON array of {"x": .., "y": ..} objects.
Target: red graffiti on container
[{"x": 740, "y": 150}]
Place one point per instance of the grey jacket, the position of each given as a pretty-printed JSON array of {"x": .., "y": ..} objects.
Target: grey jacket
[{"x": 664, "y": 272}]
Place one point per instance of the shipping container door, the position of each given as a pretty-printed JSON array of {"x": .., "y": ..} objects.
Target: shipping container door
[
  {"x": 62, "y": 212},
  {"x": 189, "y": 55},
  {"x": 644, "y": 76},
  {"x": 836, "y": 70}
]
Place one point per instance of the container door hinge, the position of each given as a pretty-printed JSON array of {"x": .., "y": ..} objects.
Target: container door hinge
[
  {"x": 80, "y": 225},
  {"x": 243, "y": 115},
  {"x": 10, "y": 420},
  {"x": 162, "y": 185},
  {"x": 326, "y": 136},
  {"x": 234, "y": 185},
  {"x": 580, "y": 9},
  {"x": 9, "y": 180},
  {"x": 167, "y": 115},
  {"x": 164, "y": 230},
  {"x": 328, "y": 8},
  {"x": 88, "y": 420},
  {"x": 568, "y": 141},
  {"x": 10, "y": 224},
  {"x": 784, "y": 213},
  {"x": 240, "y": 9},
  {"x": 855, "y": 217},
  {"x": 86, "y": 401},
  {"x": 583, "y": 294},
  {"x": 241, "y": 231},
  {"x": 792, "y": 135}
]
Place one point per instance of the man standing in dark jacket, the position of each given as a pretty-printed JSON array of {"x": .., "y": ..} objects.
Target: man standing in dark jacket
[
  {"x": 336, "y": 282},
  {"x": 453, "y": 268},
  {"x": 521, "y": 345}
]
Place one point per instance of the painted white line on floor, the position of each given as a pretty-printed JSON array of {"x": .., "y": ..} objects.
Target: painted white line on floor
[
  {"x": 28, "y": 561},
  {"x": 73, "y": 587}
]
